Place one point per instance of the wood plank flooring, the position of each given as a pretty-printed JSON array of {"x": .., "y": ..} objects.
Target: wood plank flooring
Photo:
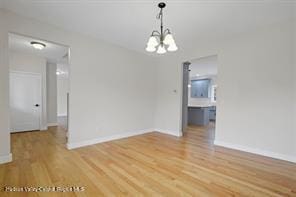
[{"x": 152, "y": 164}]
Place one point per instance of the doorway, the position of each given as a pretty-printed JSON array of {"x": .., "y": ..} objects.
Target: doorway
[
  {"x": 34, "y": 75},
  {"x": 199, "y": 96}
]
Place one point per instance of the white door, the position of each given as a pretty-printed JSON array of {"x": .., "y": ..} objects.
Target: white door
[{"x": 25, "y": 101}]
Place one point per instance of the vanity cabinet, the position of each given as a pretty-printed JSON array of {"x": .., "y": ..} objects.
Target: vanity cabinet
[{"x": 200, "y": 88}]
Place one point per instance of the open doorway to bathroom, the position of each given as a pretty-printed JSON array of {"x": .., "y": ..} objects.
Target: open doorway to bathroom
[
  {"x": 200, "y": 96},
  {"x": 38, "y": 86}
]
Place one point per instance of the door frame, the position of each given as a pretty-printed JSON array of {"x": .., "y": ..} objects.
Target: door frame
[
  {"x": 184, "y": 98},
  {"x": 41, "y": 92},
  {"x": 184, "y": 95}
]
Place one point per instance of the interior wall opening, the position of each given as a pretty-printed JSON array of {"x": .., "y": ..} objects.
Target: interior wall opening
[
  {"x": 199, "y": 99},
  {"x": 38, "y": 85}
]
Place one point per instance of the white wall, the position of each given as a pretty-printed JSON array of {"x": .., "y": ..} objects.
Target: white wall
[
  {"x": 254, "y": 108},
  {"x": 112, "y": 89},
  {"x": 255, "y": 93},
  {"x": 168, "y": 104},
  {"x": 63, "y": 89},
  {"x": 23, "y": 62},
  {"x": 27, "y": 62},
  {"x": 51, "y": 93}
]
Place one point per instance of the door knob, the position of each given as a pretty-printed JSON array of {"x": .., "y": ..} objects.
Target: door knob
[{"x": 37, "y": 105}]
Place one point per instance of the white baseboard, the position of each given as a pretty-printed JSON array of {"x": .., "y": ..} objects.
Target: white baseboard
[
  {"x": 44, "y": 128},
  {"x": 107, "y": 138},
  {"x": 5, "y": 158},
  {"x": 52, "y": 124},
  {"x": 256, "y": 151},
  {"x": 62, "y": 115},
  {"x": 174, "y": 133}
]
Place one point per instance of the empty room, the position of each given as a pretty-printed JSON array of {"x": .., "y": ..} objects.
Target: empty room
[{"x": 147, "y": 98}]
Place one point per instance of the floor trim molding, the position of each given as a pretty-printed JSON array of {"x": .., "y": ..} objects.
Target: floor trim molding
[
  {"x": 174, "y": 133},
  {"x": 256, "y": 151},
  {"x": 5, "y": 158},
  {"x": 107, "y": 138},
  {"x": 52, "y": 124}
]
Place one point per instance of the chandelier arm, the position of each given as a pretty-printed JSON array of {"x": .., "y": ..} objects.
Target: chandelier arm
[
  {"x": 155, "y": 33},
  {"x": 166, "y": 31}
]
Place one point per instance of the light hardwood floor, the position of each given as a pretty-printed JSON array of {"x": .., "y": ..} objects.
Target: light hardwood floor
[{"x": 152, "y": 164}]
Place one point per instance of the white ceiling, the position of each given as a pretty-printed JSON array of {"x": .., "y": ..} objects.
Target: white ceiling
[
  {"x": 129, "y": 22},
  {"x": 204, "y": 67},
  {"x": 52, "y": 52}
]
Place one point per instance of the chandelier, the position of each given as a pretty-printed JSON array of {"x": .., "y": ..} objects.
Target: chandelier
[{"x": 162, "y": 41}]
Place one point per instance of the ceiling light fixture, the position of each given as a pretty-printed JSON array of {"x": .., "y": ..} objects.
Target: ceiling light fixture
[
  {"x": 162, "y": 40},
  {"x": 60, "y": 72},
  {"x": 38, "y": 45}
]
